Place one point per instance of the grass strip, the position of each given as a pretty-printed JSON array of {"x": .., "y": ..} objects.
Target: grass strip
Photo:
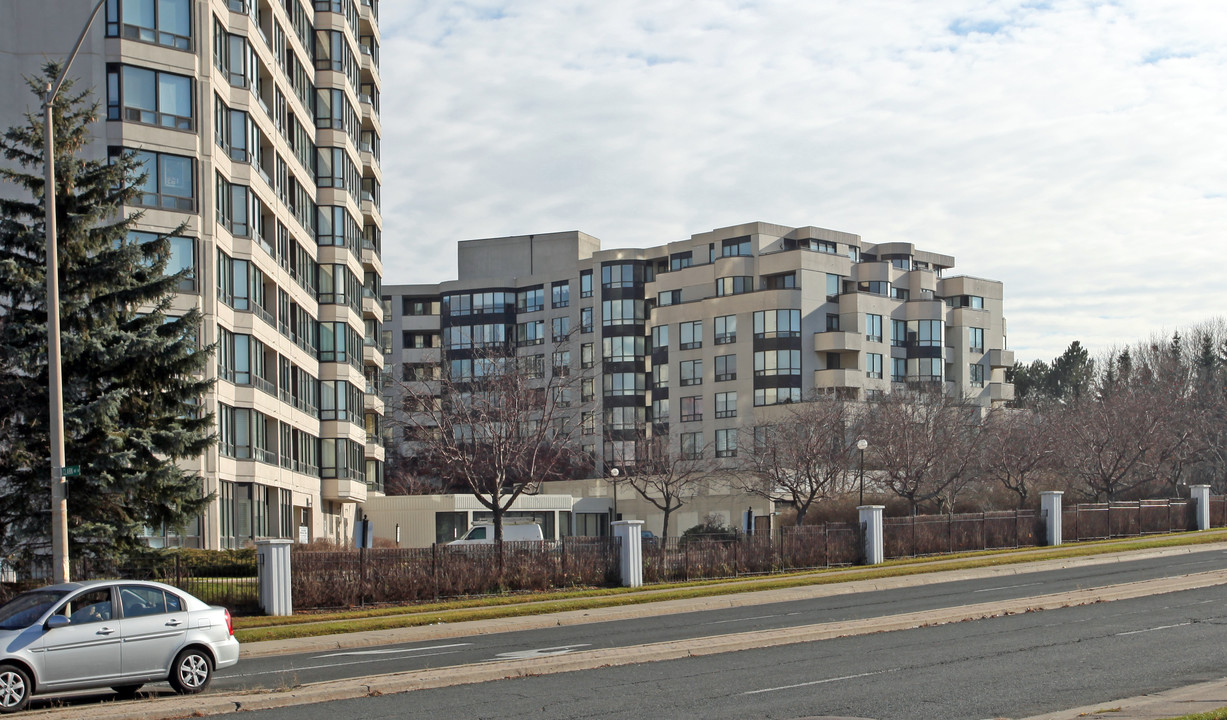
[
  {"x": 256, "y": 629},
  {"x": 1220, "y": 714}
]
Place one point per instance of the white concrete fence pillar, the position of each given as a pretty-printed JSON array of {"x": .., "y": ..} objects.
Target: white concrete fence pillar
[
  {"x": 631, "y": 534},
  {"x": 871, "y": 524},
  {"x": 1201, "y": 496},
  {"x": 1050, "y": 510},
  {"x": 273, "y": 573}
]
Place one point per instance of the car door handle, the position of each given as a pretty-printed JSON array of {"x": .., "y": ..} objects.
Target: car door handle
[
  {"x": 174, "y": 623},
  {"x": 105, "y": 630}
]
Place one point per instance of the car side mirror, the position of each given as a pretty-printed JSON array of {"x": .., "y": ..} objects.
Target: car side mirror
[{"x": 57, "y": 621}]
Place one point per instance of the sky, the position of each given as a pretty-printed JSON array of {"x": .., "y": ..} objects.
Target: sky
[{"x": 1073, "y": 150}]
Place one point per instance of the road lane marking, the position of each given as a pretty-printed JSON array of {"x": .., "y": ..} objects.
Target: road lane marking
[
  {"x": 821, "y": 682},
  {"x": 539, "y": 652},
  {"x": 1161, "y": 627},
  {"x": 324, "y": 666},
  {"x": 389, "y": 651},
  {"x": 756, "y": 617},
  {"x": 1007, "y": 587}
]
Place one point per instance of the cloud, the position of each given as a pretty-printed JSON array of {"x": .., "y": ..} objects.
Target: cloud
[{"x": 1069, "y": 149}]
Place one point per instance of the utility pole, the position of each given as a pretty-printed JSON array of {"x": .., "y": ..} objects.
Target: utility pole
[{"x": 59, "y": 494}]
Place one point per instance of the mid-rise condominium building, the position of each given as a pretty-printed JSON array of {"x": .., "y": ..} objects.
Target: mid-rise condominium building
[
  {"x": 699, "y": 337},
  {"x": 258, "y": 124}
]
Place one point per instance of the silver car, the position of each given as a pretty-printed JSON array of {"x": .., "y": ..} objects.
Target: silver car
[{"x": 109, "y": 633}]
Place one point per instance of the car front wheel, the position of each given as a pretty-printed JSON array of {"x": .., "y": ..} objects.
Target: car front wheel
[
  {"x": 192, "y": 671},
  {"x": 14, "y": 689}
]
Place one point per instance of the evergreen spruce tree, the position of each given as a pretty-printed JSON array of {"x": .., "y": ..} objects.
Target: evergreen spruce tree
[{"x": 133, "y": 376}]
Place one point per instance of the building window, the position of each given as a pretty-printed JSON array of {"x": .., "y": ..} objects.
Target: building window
[
  {"x": 691, "y": 373},
  {"x": 586, "y": 359},
  {"x": 832, "y": 322},
  {"x": 726, "y": 404},
  {"x": 621, "y": 275},
  {"x": 587, "y": 390},
  {"x": 966, "y": 301},
  {"x": 622, "y": 312},
  {"x": 660, "y": 410},
  {"x": 622, "y": 348},
  {"x": 585, "y": 284},
  {"x": 692, "y": 408},
  {"x": 588, "y": 423},
  {"x": 924, "y": 333},
  {"x": 778, "y": 362},
  {"x": 561, "y": 328},
  {"x": 726, "y": 443},
  {"x": 726, "y": 329},
  {"x": 170, "y": 180},
  {"x": 833, "y": 361},
  {"x": 736, "y": 247},
  {"x": 777, "y": 323},
  {"x": 783, "y": 281},
  {"x": 148, "y": 96},
  {"x": 874, "y": 287},
  {"x": 898, "y": 333},
  {"x": 660, "y": 376},
  {"x": 163, "y": 22},
  {"x": 182, "y": 257},
  {"x": 624, "y": 418},
  {"x": 975, "y": 339},
  {"x": 668, "y": 297},
  {"x": 531, "y": 366},
  {"x": 562, "y": 363},
  {"x": 873, "y": 365},
  {"x": 735, "y": 285},
  {"x": 873, "y": 328},
  {"x": 418, "y": 306},
  {"x": 776, "y": 396},
  {"x": 530, "y": 333},
  {"x": 726, "y": 368},
  {"x": 561, "y": 294},
  {"x": 929, "y": 370},
  {"x": 898, "y": 369},
  {"x": 692, "y": 445},
  {"x": 677, "y": 261},
  {"x": 660, "y": 337},
  {"x": 977, "y": 375},
  {"x": 585, "y": 320},
  {"x": 623, "y": 384},
  {"x": 899, "y": 293},
  {"x": 530, "y": 300},
  {"x": 832, "y": 286},
  {"x": 690, "y": 335}
]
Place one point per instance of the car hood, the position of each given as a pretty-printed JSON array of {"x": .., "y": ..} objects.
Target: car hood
[{"x": 14, "y": 641}]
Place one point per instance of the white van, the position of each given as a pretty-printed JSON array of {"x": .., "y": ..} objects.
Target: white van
[{"x": 482, "y": 533}]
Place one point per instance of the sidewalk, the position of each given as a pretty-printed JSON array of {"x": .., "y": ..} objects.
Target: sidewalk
[{"x": 1199, "y": 698}]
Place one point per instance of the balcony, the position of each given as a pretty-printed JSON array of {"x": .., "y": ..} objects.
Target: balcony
[
  {"x": 840, "y": 378},
  {"x": 1001, "y": 392},
  {"x": 1001, "y": 358},
  {"x": 346, "y": 490},
  {"x": 838, "y": 342}
]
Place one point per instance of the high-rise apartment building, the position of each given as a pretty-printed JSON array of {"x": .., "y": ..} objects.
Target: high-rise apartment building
[
  {"x": 258, "y": 123},
  {"x": 697, "y": 338}
]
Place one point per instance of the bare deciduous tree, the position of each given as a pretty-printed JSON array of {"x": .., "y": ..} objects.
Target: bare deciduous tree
[
  {"x": 923, "y": 443},
  {"x": 494, "y": 424},
  {"x": 802, "y": 457},
  {"x": 1017, "y": 449},
  {"x": 666, "y": 474}
]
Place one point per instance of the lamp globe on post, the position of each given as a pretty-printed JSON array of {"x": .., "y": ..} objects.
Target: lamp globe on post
[{"x": 861, "y": 445}]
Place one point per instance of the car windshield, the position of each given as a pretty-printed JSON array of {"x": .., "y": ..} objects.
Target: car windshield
[{"x": 26, "y": 608}]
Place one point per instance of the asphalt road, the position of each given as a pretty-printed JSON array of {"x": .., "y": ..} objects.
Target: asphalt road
[
  {"x": 1011, "y": 666},
  {"x": 289, "y": 670}
]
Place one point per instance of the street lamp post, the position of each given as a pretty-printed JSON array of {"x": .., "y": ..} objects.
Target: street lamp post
[
  {"x": 59, "y": 496},
  {"x": 861, "y": 445}
]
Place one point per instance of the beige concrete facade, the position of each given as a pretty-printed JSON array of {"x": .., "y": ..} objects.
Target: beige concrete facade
[
  {"x": 706, "y": 337},
  {"x": 260, "y": 126}
]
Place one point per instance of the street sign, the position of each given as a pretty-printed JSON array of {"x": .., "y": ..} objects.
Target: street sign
[{"x": 70, "y": 471}]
